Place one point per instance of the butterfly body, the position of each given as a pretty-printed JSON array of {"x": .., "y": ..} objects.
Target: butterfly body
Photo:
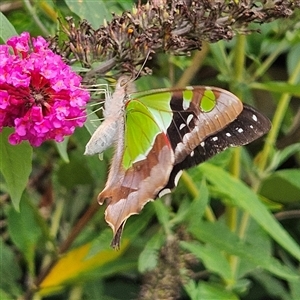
[{"x": 159, "y": 133}]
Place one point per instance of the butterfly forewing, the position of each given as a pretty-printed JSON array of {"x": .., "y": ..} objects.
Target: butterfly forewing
[
  {"x": 248, "y": 126},
  {"x": 198, "y": 115}
]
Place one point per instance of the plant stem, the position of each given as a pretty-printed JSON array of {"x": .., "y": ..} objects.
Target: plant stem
[
  {"x": 277, "y": 120},
  {"x": 193, "y": 190},
  {"x": 232, "y": 212},
  {"x": 35, "y": 17},
  {"x": 195, "y": 66}
]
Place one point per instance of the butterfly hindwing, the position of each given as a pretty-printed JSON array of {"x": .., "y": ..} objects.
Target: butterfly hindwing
[{"x": 139, "y": 175}]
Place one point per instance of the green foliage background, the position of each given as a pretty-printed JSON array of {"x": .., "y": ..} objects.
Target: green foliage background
[{"x": 231, "y": 229}]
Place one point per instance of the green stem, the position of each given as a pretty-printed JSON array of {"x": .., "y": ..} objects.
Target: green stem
[
  {"x": 269, "y": 61},
  {"x": 232, "y": 212},
  {"x": 32, "y": 12},
  {"x": 193, "y": 190},
  {"x": 277, "y": 120},
  {"x": 239, "y": 62},
  {"x": 194, "y": 67}
]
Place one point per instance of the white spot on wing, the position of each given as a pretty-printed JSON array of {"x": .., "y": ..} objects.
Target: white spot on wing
[
  {"x": 254, "y": 118},
  {"x": 185, "y": 104},
  {"x": 215, "y": 138},
  {"x": 240, "y": 130},
  {"x": 182, "y": 126},
  {"x": 189, "y": 119},
  {"x": 202, "y": 144},
  {"x": 177, "y": 177},
  {"x": 164, "y": 192},
  {"x": 251, "y": 126},
  {"x": 228, "y": 134},
  {"x": 192, "y": 153}
]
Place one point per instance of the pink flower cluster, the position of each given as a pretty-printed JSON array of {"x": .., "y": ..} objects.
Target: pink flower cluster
[{"x": 40, "y": 96}]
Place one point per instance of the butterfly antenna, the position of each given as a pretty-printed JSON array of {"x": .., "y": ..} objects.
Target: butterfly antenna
[{"x": 141, "y": 68}]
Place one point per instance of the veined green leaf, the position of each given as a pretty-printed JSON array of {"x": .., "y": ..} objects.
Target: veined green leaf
[
  {"x": 24, "y": 229},
  {"x": 15, "y": 165},
  {"x": 62, "y": 149},
  {"x": 6, "y": 28},
  {"x": 211, "y": 257},
  {"x": 149, "y": 256},
  {"x": 244, "y": 197},
  {"x": 221, "y": 237}
]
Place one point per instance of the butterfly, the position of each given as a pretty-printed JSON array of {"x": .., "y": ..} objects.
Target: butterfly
[{"x": 157, "y": 134}]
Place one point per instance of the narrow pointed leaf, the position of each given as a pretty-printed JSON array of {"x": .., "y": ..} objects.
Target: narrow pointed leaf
[
  {"x": 221, "y": 237},
  {"x": 244, "y": 197}
]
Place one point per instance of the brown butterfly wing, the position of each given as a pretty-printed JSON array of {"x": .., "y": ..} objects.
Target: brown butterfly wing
[{"x": 127, "y": 191}]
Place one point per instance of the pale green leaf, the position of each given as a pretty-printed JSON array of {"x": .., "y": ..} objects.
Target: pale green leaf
[
  {"x": 62, "y": 149},
  {"x": 93, "y": 11},
  {"x": 6, "y": 28},
  {"x": 15, "y": 165},
  {"x": 149, "y": 256}
]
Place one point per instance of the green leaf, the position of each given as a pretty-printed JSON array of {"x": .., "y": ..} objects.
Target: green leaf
[
  {"x": 24, "y": 229},
  {"x": 295, "y": 289},
  {"x": 135, "y": 225},
  {"x": 259, "y": 239},
  {"x": 212, "y": 257},
  {"x": 149, "y": 256},
  {"x": 289, "y": 183},
  {"x": 292, "y": 60},
  {"x": 277, "y": 87},
  {"x": 208, "y": 291},
  {"x": 6, "y": 28},
  {"x": 244, "y": 197},
  {"x": 62, "y": 149},
  {"x": 15, "y": 165},
  {"x": 70, "y": 176},
  {"x": 197, "y": 208},
  {"x": 221, "y": 237},
  {"x": 220, "y": 58},
  {"x": 211, "y": 291},
  {"x": 281, "y": 156},
  {"x": 9, "y": 280},
  {"x": 93, "y": 11},
  {"x": 274, "y": 286}
]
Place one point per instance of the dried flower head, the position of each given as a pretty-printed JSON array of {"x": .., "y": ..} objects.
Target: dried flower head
[
  {"x": 174, "y": 26},
  {"x": 40, "y": 96}
]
